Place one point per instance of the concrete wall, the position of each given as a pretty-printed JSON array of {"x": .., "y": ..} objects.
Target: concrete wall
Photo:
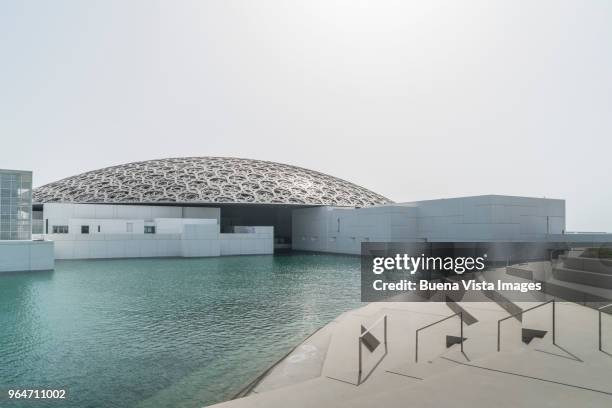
[
  {"x": 132, "y": 226},
  {"x": 200, "y": 240},
  {"x": 60, "y": 213},
  {"x": 91, "y": 246},
  {"x": 341, "y": 230},
  {"x": 195, "y": 238},
  {"x": 26, "y": 256},
  {"x": 260, "y": 240},
  {"x": 195, "y": 241},
  {"x": 490, "y": 218},
  {"x": 117, "y": 231},
  {"x": 177, "y": 225},
  {"x": 465, "y": 219},
  {"x": 105, "y": 226}
]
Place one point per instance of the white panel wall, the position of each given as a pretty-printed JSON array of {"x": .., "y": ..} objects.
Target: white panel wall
[
  {"x": 490, "y": 218},
  {"x": 187, "y": 237},
  {"x": 176, "y": 225},
  {"x": 92, "y": 246},
  {"x": 342, "y": 230},
  {"x": 179, "y": 231},
  {"x": 202, "y": 212},
  {"x": 120, "y": 226},
  {"x": 107, "y": 226},
  {"x": 18, "y": 256},
  {"x": 200, "y": 240},
  {"x": 60, "y": 213},
  {"x": 258, "y": 242},
  {"x": 309, "y": 228},
  {"x": 480, "y": 218}
]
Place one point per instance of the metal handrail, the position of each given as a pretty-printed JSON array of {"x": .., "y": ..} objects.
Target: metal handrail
[
  {"x": 599, "y": 311},
  {"x": 416, "y": 351},
  {"x": 523, "y": 312},
  {"x": 360, "y": 343}
]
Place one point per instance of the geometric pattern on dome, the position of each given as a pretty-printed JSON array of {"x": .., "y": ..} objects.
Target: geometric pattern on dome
[{"x": 207, "y": 180}]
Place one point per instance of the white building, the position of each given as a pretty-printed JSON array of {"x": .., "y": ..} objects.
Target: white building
[
  {"x": 488, "y": 218},
  {"x": 17, "y": 250},
  {"x": 82, "y": 231},
  {"x": 210, "y": 206}
]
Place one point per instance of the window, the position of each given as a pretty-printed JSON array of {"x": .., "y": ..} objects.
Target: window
[
  {"x": 129, "y": 227},
  {"x": 60, "y": 229},
  {"x": 84, "y": 229},
  {"x": 15, "y": 205},
  {"x": 98, "y": 228},
  {"x": 149, "y": 229}
]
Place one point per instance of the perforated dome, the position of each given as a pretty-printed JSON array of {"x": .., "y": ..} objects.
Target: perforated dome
[{"x": 206, "y": 180}]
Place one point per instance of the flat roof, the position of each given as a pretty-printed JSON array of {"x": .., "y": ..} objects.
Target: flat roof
[{"x": 15, "y": 171}]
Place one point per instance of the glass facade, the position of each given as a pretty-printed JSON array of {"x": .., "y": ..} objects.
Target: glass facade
[{"x": 15, "y": 205}]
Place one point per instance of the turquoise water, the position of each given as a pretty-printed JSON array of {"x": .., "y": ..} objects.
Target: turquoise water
[{"x": 163, "y": 332}]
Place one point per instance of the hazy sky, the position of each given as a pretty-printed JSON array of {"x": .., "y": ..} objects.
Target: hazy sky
[{"x": 414, "y": 100}]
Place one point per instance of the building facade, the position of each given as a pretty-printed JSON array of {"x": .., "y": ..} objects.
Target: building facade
[
  {"x": 17, "y": 250},
  {"x": 247, "y": 192},
  {"x": 15, "y": 205},
  {"x": 98, "y": 231},
  {"x": 488, "y": 218},
  {"x": 209, "y": 206}
]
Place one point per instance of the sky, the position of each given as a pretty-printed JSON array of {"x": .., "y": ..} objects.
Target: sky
[{"x": 411, "y": 99}]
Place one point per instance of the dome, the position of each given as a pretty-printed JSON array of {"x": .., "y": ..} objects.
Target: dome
[{"x": 207, "y": 180}]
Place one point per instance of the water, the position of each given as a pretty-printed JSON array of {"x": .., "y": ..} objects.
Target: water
[{"x": 163, "y": 332}]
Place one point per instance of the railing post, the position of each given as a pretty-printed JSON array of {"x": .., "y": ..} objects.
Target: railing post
[
  {"x": 599, "y": 329},
  {"x": 461, "y": 317},
  {"x": 359, "y": 374},
  {"x": 553, "y": 323},
  {"x": 416, "y": 349},
  {"x": 522, "y": 312},
  {"x": 416, "y": 333},
  {"x": 498, "y": 333},
  {"x": 385, "y": 324}
]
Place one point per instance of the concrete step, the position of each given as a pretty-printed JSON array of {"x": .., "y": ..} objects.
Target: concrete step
[
  {"x": 598, "y": 265},
  {"x": 570, "y": 289},
  {"x": 600, "y": 280}
]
